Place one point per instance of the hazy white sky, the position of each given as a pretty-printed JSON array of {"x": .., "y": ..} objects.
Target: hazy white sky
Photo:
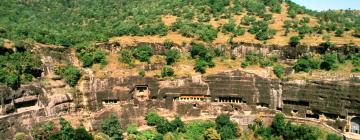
[{"x": 329, "y": 4}]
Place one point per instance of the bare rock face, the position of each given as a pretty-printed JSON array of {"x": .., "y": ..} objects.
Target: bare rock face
[
  {"x": 59, "y": 103},
  {"x": 130, "y": 98}
]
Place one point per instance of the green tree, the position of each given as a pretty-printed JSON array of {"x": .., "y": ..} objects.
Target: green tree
[
  {"x": 226, "y": 128},
  {"x": 132, "y": 129},
  {"x": 20, "y": 136},
  {"x": 211, "y": 134},
  {"x": 44, "y": 132},
  {"x": 200, "y": 66},
  {"x": 178, "y": 124},
  {"x": 167, "y": 72},
  {"x": 294, "y": 41},
  {"x": 142, "y": 72},
  {"x": 277, "y": 126},
  {"x": 111, "y": 127},
  {"x": 339, "y": 32},
  {"x": 67, "y": 131},
  {"x": 198, "y": 50},
  {"x": 244, "y": 64},
  {"x": 278, "y": 71},
  {"x": 329, "y": 61},
  {"x": 126, "y": 56},
  {"x": 101, "y": 136},
  {"x": 164, "y": 127},
  {"x": 172, "y": 56},
  {"x": 82, "y": 134},
  {"x": 333, "y": 137},
  {"x": 143, "y": 53},
  {"x": 152, "y": 118}
]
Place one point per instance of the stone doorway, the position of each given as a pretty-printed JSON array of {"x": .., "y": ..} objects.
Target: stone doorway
[{"x": 141, "y": 92}]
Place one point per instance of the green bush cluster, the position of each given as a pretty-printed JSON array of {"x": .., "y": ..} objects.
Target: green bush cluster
[
  {"x": 192, "y": 29},
  {"x": 167, "y": 72},
  {"x": 261, "y": 30},
  {"x": 66, "y": 132},
  {"x": 252, "y": 58},
  {"x": 143, "y": 53},
  {"x": 172, "y": 56},
  {"x": 278, "y": 71},
  {"x": 163, "y": 126},
  {"x": 89, "y": 55},
  {"x": 306, "y": 64},
  {"x": 294, "y": 41},
  {"x": 126, "y": 56},
  {"x": 111, "y": 127},
  {"x": 71, "y": 74},
  {"x": 232, "y": 28},
  {"x": 226, "y": 128},
  {"x": 18, "y": 67},
  {"x": 248, "y": 20},
  {"x": 204, "y": 57},
  {"x": 280, "y": 129}
]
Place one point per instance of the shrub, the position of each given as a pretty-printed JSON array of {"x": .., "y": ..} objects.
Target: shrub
[
  {"x": 200, "y": 66},
  {"x": 111, "y": 127},
  {"x": 126, "y": 56},
  {"x": 226, "y": 128},
  {"x": 268, "y": 17},
  {"x": 18, "y": 67},
  {"x": 248, "y": 20},
  {"x": 142, "y": 72},
  {"x": 20, "y": 136},
  {"x": 278, "y": 70},
  {"x": 265, "y": 62},
  {"x": 82, "y": 134},
  {"x": 172, "y": 56},
  {"x": 211, "y": 134},
  {"x": 294, "y": 41},
  {"x": 143, "y": 53},
  {"x": 252, "y": 58},
  {"x": 198, "y": 50},
  {"x": 333, "y": 137},
  {"x": 306, "y": 63},
  {"x": 244, "y": 64},
  {"x": 229, "y": 27},
  {"x": 71, "y": 74},
  {"x": 239, "y": 31},
  {"x": 218, "y": 52},
  {"x": 67, "y": 132},
  {"x": 339, "y": 32},
  {"x": 168, "y": 44},
  {"x": 167, "y": 72},
  {"x": 101, "y": 136},
  {"x": 277, "y": 126},
  {"x": 152, "y": 118},
  {"x": 89, "y": 55},
  {"x": 132, "y": 129},
  {"x": 329, "y": 61}
]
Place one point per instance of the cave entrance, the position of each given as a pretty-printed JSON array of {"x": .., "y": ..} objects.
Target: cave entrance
[
  {"x": 355, "y": 125},
  {"x": 230, "y": 99},
  {"x": 25, "y": 104},
  {"x": 110, "y": 102},
  {"x": 141, "y": 92}
]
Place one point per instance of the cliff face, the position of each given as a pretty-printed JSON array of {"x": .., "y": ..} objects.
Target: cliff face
[
  {"x": 130, "y": 98},
  {"x": 227, "y": 92}
]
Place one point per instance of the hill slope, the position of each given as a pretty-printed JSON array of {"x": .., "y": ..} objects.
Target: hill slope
[{"x": 67, "y": 23}]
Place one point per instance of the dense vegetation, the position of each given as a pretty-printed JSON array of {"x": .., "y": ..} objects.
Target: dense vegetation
[
  {"x": 18, "y": 67},
  {"x": 222, "y": 128},
  {"x": 280, "y": 129},
  {"x": 68, "y": 23},
  {"x": 70, "y": 74}
]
